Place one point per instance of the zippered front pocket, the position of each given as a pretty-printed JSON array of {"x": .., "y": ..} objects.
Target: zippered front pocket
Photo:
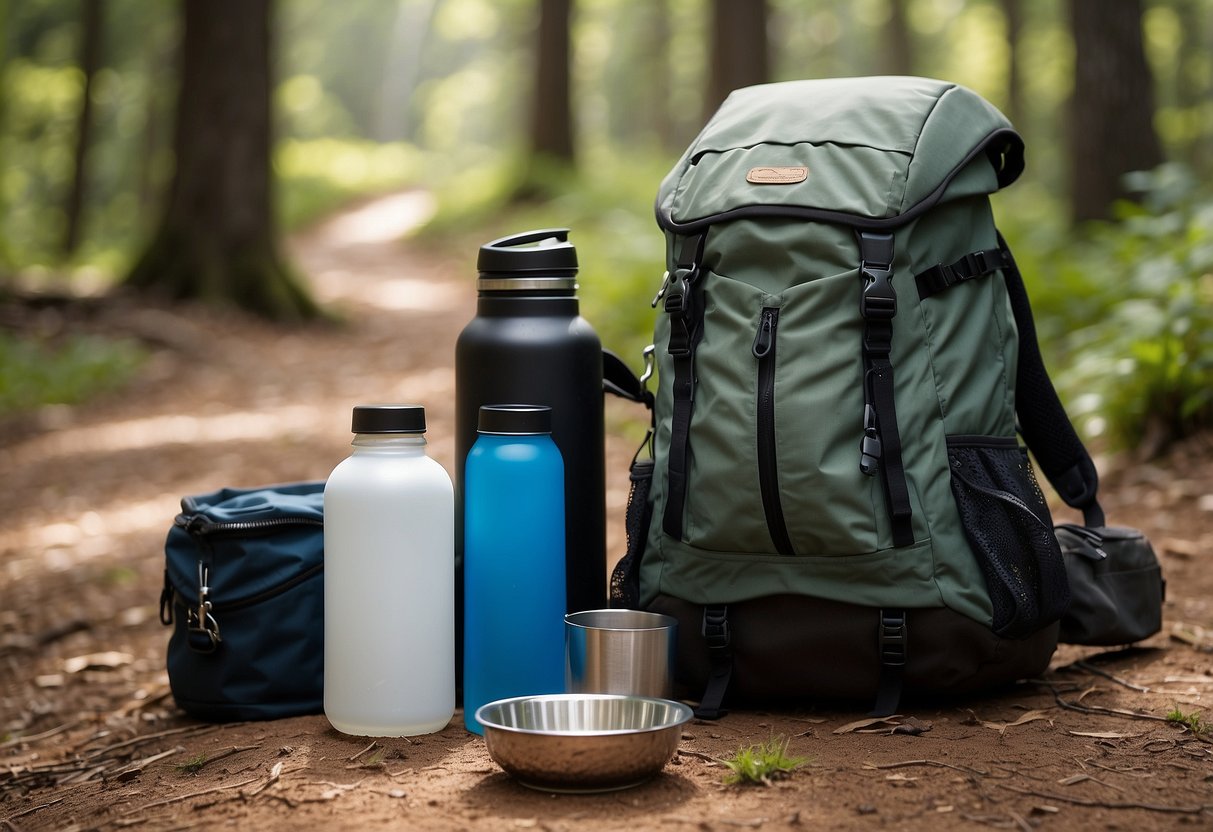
[
  {"x": 777, "y": 435},
  {"x": 768, "y": 458}
]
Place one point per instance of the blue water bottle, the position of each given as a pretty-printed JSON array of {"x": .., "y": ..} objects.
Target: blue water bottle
[{"x": 514, "y": 587}]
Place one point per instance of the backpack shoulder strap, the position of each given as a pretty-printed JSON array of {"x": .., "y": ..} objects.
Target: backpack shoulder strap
[{"x": 1042, "y": 419}]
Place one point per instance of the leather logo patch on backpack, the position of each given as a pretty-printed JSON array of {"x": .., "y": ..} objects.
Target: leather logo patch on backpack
[{"x": 777, "y": 175}]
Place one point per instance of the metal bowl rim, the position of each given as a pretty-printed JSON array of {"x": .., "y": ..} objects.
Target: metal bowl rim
[{"x": 683, "y": 712}]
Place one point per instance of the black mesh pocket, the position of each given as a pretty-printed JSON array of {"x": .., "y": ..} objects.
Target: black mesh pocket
[
  {"x": 1008, "y": 525},
  {"x": 625, "y": 578}
]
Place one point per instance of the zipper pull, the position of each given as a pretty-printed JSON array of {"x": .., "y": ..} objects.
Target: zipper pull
[
  {"x": 765, "y": 338},
  {"x": 1089, "y": 541}
]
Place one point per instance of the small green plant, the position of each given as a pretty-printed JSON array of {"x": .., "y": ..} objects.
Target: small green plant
[
  {"x": 1191, "y": 721},
  {"x": 192, "y": 766},
  {"x": 762, "y": 763}
]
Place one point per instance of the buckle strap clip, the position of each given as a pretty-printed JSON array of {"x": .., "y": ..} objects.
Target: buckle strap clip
[
  {"x": 892, "y": 638},
  {"x": 879, "y": 300},
  {"x": 715, "y": 628}
]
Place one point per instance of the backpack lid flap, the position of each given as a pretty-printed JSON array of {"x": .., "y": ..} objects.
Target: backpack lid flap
[{"x": 870, "y": 152}]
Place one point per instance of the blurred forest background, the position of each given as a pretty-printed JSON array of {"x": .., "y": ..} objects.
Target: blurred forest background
[{"x": 166, "y": 148}]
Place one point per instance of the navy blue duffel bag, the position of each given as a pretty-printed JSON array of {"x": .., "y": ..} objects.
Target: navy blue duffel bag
[{"x": 244, "y": 593}]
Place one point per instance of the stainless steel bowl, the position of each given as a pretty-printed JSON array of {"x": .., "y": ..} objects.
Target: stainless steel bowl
[{"x": 582, "y": 742}]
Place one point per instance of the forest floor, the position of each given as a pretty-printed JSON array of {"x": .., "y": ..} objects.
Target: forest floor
[{"x": 90, "y": 737}]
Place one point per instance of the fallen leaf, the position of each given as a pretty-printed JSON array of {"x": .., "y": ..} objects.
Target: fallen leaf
[
  {"x": 851, "y": 727},
  {"x": 1181, "y": 548},
  {"x": 97, "y": 661},
  {"x": 912, "y": 726},
  {"x": 1001, "y": 727},
  {"x": 1103, "y": 735},
  {"x": 1073, "y": 778}
]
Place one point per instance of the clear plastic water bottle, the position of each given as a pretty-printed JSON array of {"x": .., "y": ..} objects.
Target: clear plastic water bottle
[
  {"x": 514, "y": 563},
  {"x": 389, "y": 567}
]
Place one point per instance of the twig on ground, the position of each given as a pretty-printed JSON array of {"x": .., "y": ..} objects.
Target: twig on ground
[
  {"x": 33, "y": 809},
  {"x": 1090, "y": 668},
  {"x": 168, "y": 801},
  {"x": 235, "y": 749},
  {"x": 1099, "y": 709},
  {"x": 1105, "y": 804},
  {"x": 275, "y": 776},
  {"x": 707, "y": 758},
  {"x": 36, "y": 737},
  {"x": 373, "y": 744},
  {"x": 139, "y": 740},
  {"x": 907, "y": 763}
]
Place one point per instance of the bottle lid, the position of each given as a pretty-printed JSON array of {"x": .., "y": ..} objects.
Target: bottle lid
[
  {"x": 515, "y": 419},
  {"x": 388, "y": 418},
  {"x": 543, "y": 259}
]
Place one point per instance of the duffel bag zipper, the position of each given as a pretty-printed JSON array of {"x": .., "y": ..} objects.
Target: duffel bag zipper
[
  {"x": 199, "y": 525},
  {"x": 264, "y": 595},
  {"x": 768, "y": 462}
]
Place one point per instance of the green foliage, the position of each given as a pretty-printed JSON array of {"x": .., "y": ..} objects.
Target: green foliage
[
  {"x": 34, "y": 373},
  {"x": 762, "y": 763},
  {"x": 1191, "y": 722},
  {"x": 609, "y": 211},
  {"x": 193, "y": 765},
  {"x": 1126, "y": 311}
]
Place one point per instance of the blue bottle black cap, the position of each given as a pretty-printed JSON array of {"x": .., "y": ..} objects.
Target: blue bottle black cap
[
  {"x": 389, "y": 418},
  {"x": 515, "y": 419}
]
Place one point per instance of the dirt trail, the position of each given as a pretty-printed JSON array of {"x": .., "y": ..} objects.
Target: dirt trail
[{"x": 97, "y": 743}]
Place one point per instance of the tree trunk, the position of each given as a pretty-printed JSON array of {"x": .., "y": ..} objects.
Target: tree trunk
[
  {"x": 1012, "y": 11},
  {"x": 6, "y": 259},
  {"x": 552, "y": 110},
  {"x": 92, "y": 23},
  {"x": 217, "y": 241},
  {"x": 739, "y": 49},
  {"x": 1112, "y": 109},
  {"x": 897, "y": 55}
]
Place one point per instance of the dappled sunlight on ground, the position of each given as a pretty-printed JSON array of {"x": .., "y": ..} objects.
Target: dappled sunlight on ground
[{"x": 382, "y": 220}]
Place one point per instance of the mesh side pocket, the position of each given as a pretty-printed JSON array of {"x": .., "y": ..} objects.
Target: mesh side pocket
[
  {"x": 625, "y": 578},
  {"x": 1008, "y": 525}
]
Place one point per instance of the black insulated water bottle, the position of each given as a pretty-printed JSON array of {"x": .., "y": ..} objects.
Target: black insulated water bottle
[{"x": 528, "y": 344}]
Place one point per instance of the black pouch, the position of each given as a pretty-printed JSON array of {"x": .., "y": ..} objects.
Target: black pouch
[
  {"x": 1116, "y": 586},
  {"x": 244, "y": 593}
]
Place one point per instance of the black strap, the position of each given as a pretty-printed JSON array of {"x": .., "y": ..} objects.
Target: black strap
[
  {"x": 619, "y": 380},
  {"x": 686, "y": 317},
  {"x": 891, "y": 641},
  {"x": 946, "y": 275},
  {"x": 720, "y": 662},
  {"x": 1042, "y": 418},
  {"x": 881, "y": 444}
]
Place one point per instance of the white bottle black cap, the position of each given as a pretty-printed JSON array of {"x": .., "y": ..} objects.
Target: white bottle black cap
[
  {"x": 515, "y": 419},
  {"x": 388, "y": 418}
]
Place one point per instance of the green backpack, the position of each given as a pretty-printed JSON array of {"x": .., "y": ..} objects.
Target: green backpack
[{"x": 837, "y": 505}]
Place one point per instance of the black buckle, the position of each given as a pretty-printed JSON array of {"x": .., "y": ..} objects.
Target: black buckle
[
  {"x": 892, "y": 638},
  {"x": 879, "y": 300},
  {"x": 716, "y": 627}
]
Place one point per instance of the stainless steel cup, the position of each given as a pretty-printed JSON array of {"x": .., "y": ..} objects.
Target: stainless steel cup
[{"x": 620, "y": 651}]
